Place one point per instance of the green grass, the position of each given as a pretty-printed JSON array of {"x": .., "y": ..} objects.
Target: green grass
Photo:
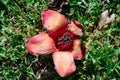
[{"x": 21, "y": 19}]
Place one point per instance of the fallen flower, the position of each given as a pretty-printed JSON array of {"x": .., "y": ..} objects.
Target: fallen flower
[{"x": 61, "y": 39}]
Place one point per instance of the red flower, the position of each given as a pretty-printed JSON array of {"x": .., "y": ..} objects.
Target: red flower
[{"x": 61, "y": 39}]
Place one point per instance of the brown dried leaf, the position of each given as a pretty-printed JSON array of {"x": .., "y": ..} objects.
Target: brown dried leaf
[
  {"x": 105, "y": 19},
  {"x": 58, "y": 4},
  {"x": 42, "y": 69}
]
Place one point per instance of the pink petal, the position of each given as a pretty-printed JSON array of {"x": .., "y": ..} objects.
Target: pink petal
[
  {"x": 75, "y": 27},
  {"x": 55, "y": 34},
  {"x": 79, "y": 51},
  {"x": 64, "y": 63},
  {"x": 53, "y": 20},
  {"x": 40, "y": 44}
]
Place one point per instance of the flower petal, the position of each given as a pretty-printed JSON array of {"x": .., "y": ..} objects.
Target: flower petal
[
  {"x": 57, "y": 33},
  {"x": 79, "y": 51},
  {"x": 64, "y": 63},
  {"x": 75, "y": 27},
  {"x": 53, "y": 20},
  {"x": 40, "y": 44}
]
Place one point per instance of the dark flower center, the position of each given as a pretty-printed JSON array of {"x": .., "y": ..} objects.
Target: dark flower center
[{"x": 65, "y": 41}]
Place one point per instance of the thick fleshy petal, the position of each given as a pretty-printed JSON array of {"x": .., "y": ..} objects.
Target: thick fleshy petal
[
  {"x": 75, "y": 27},
  {"x": 40, "y": 44},
  {"x": 53, "y": 20},
  {"x": 57, "y": 33},
  {"x": 79, "y": 51},
  {"x": 64, "y": 63}
]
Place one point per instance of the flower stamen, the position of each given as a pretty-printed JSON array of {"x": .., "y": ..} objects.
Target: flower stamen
[{"x": 64, "y": 42}]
